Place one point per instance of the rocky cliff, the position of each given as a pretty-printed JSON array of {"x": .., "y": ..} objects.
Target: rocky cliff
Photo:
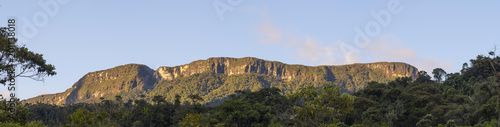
[{"x": 232, "y": 66}]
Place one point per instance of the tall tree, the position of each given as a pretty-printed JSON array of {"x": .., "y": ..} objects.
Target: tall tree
[
  {"x": 439, "y": 74},
  {"x": 30, "y": 64},
  {"x": 177, "y": 101},
  {"x": 465, "y": 66},
  {"x": 21, "y": 112},
  {"x": 194, "y": 98},
  {"x": 496, "y": 75},
  {"x": 118, "y": 98},
  {"x": 423, "y": 77}
]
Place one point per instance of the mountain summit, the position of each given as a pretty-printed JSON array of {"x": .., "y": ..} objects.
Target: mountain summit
[{"x": 214, "y": 79}]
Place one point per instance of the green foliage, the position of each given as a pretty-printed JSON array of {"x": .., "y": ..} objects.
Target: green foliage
[
  {"x": 158, "y": 99},
  {"x": 85, "y": 118},
  {"x": 193, "y": 120},
  {"x": 423, "y": 77},
  {"x": 492, "y": 123},
  {"x": 251, "y": 108},
  {"x": 13, "y": 111},
  {"x": 426, "y": 121},
  {"x": 29, "y": 124},
  {"x": 439, "y": 74},
  {"x": 30, "y": 64},
  {"x": 20, "y": 117},
  {"x": 469, "y": 98},
  {"x": 195, "y": 98},
  {"x": 321, "y": 106}
]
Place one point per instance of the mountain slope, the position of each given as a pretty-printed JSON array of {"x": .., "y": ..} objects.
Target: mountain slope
[
  {"x": 215, "y": 79},
  {"x": 130, "y": 78}
]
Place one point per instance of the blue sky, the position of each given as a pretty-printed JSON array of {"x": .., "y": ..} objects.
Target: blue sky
[{"x": 85, "y": 36}]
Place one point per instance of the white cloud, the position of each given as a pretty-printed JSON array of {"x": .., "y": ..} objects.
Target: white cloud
[
  {"x": 349, "y": 53},
  {"x": 389, "y": 48},
  {"x": 386, "y": 48},
  {"x": 42, "y": 92},
  {"x": 307, "y": 49},
  {"x": 310, "y": 50}
]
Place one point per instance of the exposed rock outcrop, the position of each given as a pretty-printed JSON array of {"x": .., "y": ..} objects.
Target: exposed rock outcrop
[{"x": 231, "y": 66}]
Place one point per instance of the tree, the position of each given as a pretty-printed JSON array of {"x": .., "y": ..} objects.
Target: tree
[
  {"x": 158, "y": 99},
  {"x": 12, "y": 56},
  {"x": 30, "y": 124},
  {"x": 321, "y": 106},
  {"x": 21, "y": 113},
  {"x": 439, "y": 74},
  {"x": 246, "y": 108},
  {"x": 195, "y": 98},
  {"x": 465, "y": 66},
  {"x": 86, "y": 118},
  {"x": 177, "y": 101},
  {"x": 423, "y": 77},
  {"x": 450, "y": 123},
  {"x": 193, "y": 120},
  {"x": 31, "y": 65},
  {"x": 492, "y": 63}
]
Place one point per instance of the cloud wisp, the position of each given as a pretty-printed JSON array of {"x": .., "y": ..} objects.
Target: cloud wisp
[
  {"x": 307, "y": 49},
  {"x": 310, "y": 50},
  {"x": 389, "y": 48}
]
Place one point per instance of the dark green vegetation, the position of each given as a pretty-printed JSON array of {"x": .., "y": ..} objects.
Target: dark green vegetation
[
  {"x": 215, "y": 79},
  {"x": 468, "y": 98}
]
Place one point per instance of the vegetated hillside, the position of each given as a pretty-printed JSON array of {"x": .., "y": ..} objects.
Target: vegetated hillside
[
  {"x": 128, "y": 81},
  {"x": 215, "y": 79}
]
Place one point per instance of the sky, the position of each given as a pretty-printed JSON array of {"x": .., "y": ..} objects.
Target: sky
[{"x": 85, "y": 36}]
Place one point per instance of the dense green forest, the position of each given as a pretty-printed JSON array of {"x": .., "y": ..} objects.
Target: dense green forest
[{"x": 466, "y": 98}]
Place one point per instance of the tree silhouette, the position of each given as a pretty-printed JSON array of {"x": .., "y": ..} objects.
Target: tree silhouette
[
  {"x": 28, "y": 64},
  {"x": 158, "y": 99},
  {"x": 422, "y": 77},
  {"x": 439, "y": 74},
  {"x": 177, "y": 101},
  {"x": 32, "y": 65},
  {"x": 118, "y": 98},
  {"x": 195, "y": 98}
]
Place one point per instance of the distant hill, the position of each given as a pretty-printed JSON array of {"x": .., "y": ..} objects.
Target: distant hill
[{"x": 215, "y": 79}]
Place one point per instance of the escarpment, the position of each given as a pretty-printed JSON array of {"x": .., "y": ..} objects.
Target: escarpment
[{"x": 216, "y": 78}]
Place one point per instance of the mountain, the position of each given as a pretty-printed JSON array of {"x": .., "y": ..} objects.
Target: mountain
[
  {"x": 130, "y": 78},
  {"x": 215, "y": 79}
]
